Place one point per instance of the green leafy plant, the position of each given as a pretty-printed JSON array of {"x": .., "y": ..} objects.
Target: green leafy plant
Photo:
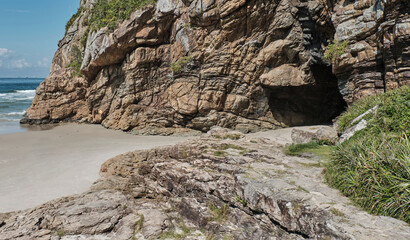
[
  {"x": 179, "y": 65},
  {"x": 336, "y": 49},
  {"x": 241, "y": 201}
]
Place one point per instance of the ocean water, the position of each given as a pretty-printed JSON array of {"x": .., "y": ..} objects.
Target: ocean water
[{"x": 16, "y": 95}]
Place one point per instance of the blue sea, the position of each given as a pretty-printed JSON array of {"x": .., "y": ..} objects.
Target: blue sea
[{"x": 16, "y": 95}]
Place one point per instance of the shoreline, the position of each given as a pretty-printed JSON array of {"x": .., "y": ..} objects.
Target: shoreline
[{"x": 39, "y": 166}]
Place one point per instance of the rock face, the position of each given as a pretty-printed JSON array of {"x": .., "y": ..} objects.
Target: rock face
[
  {"x": 379, "y": 46},
  {"x": 221, "y": 186},
  {"x": 246, "y": 65}
]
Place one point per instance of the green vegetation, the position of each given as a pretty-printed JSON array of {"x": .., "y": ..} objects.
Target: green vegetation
[
  {"x": 232, "y": 136},
  {"x": 302, "y": 189},
  {"x": 228, "y": 237},
  {"x": 336, "y": 49},
  {"x": 220, "y": 214},
  {"x": 83, "y": 40},
  {"x": 111, "y": 13},
  {"x": 61, "y": 233},
  {"x": 73, "y": 18},
  {"x": 337, "y": 212},
  {"x": 323, "y": 149},
  {"x": 172, "y": 233},
  {"x": 232, "y": 146},
  {"x": 76, "y": 62},
  {"x": 179, "y": 65},
  {"x": 241, "y": 201},
  {"x": 140, "y": 223},
  {"x": 108, "y": 13},
  {"x": 373, "y": 167},
  {"x": 220, "y": 153}
]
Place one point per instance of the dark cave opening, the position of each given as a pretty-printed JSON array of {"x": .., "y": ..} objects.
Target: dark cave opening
[{"x": 318, "y": 103}]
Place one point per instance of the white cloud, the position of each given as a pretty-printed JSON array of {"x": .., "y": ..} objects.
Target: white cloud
[
  {"x": 43, "y": 62},
  {"x": 19, "y": 64},
  {"x": 4, "y": 52}
]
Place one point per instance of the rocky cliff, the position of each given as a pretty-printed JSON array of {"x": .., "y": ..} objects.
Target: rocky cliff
[{"x": 241, "y": 64}]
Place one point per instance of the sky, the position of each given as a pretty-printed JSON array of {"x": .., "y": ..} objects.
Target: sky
[{"x": 29, "y": 34}]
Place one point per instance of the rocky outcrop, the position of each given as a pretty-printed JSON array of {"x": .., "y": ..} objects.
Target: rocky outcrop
[
  {"x": 379, "y": 46},
  {"x": 247, "y": 65},
  {"x": 221, "y": 186}
]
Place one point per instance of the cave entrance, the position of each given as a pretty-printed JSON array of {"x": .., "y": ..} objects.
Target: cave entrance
[{"x": 308, "y": 104}]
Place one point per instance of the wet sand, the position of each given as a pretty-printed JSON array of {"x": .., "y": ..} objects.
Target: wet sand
[{"x": 38, "y": 166}]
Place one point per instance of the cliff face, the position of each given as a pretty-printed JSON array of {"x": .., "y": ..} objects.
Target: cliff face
[
  {"x": 247, "y": 65},
  {"x": 378, "y": 59}
]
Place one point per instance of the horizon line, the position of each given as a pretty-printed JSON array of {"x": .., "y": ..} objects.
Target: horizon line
[{"x": 20, "y": 77}]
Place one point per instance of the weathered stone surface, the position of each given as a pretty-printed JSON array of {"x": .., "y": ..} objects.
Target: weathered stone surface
[
  {"x": 379, "y": 46},
  {"x": 324, "y": 133},
  {"x": 214, "y": 186},
  {"x": 249, "y": 65}
]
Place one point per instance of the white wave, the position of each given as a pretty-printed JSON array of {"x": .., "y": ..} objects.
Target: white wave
[
  {"x": 26, "y": 91},
  {"x": 26, "y": 98},
  {"x": 18, "y": 95},
  {"x": 13, "y": 113}
]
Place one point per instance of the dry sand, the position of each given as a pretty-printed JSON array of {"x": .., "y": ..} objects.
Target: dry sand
[{"x": 38, "y": 166}]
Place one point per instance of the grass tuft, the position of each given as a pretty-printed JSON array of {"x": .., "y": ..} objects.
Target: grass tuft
[
  {"x": 336, "y": 49},
  {"x": 319, "y": 148},
  {"x": 220, "y": 214},
  {"x": 241, "y": 201},
  {"x": 373, "y": 167},
  {"x": 179, "y": 65}
]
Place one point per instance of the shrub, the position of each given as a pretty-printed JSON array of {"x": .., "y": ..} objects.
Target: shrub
[
  {"x": 83, "y": 40},
  {"x": 76, "y": 61},
  {"x": 373, "y": 167},
  {"x": 336, "y": 49},
  {"x": 179, "y": 65},
  {"x": 111, "y": 13}
]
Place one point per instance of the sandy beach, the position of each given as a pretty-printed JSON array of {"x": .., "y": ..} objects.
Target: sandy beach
[{"x": 38, "y": 166}]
